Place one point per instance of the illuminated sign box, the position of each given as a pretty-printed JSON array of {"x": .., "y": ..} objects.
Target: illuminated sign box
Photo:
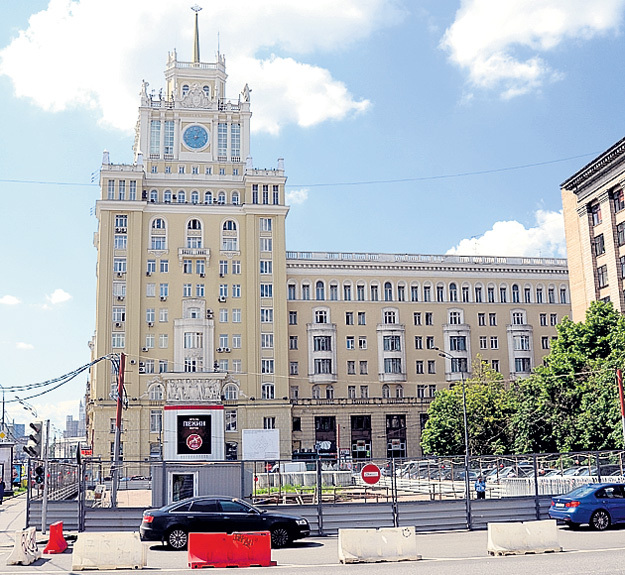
[{"x": 194, "y": 433}]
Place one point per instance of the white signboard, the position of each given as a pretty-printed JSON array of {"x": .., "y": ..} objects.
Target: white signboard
[{"x": 261, "y": 444}]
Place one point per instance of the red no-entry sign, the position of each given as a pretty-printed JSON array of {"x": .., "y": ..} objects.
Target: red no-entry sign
[{"x": 370, "y": 474}]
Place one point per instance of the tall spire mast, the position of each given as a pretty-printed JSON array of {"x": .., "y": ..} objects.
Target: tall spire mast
[{"x": 196, "y": 36}]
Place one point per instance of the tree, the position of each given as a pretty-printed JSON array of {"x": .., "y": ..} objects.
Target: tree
[
  {"x": 489, "y": 409},
  {"x": 571, "y": 402}
]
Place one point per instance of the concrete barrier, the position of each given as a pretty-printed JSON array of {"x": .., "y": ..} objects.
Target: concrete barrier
[
  {"x": 25, "y": 550},
  {"x": 523, "y": 538},
  {"x": 56, "y": 542},
  {"x": 372, "y": 545},
  {"x": 111, "y": 550}
]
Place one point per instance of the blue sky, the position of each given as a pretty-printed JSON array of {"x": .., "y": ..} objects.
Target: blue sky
[{"x": 413, "y": 126}]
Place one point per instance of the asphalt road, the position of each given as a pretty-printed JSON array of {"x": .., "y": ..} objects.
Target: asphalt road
[{"x": 450, "y": 553}]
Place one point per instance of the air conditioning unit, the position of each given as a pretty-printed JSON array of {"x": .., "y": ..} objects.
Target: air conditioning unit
[
  {"x": 148, "y": 274},
  {"x": 141, "y": 369},
  {"x": 120, "y": 298},
  {"x": 219, "y": 350},
  {"x": 118, "y": 324},
  {"x": 120, "y": 230},
  {"x": 221, "y": 275},
  {"x": 120, "y": 274},
  {"x": 150, "y": 324},
  {"x": 145, "y": 349},
  {"x": 133, "y": 362},
  {"x": 221, "y": 299},
  {"x": 163, "y": 298},
  {"x": 227, "y": 349},
  {"x": 202, "y": 275}
]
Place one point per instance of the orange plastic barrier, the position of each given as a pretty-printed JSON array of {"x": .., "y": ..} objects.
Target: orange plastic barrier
[
  {"x": 235, "y": 550},
  {"x": 56, "y": 543}
]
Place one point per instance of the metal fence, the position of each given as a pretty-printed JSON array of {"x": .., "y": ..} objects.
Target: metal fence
[{"x": 323, "y": 487}]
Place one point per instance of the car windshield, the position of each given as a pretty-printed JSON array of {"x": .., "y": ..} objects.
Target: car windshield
[{"x": 580, "y": 491}]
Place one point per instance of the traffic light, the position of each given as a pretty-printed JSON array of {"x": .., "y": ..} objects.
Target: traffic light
[
  {"x": 33, "y": 447},
  {"x": 39, "y": 474}
]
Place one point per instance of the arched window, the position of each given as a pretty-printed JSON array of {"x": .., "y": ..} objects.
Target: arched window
[
  {"x": 194, "y": 225},
  {"x": 515, "y": 294},
  {"x": 208, "y": 197},
  {"x": 386, "y": 391},
  {"x": 167, "y": 196},
  {"x": 158, "y": 234},
  {"x": 329, "y": 392},
  {"x": 306, "y": 291},
  {"x": 153, "y": 196},
  {"x": 231, "y": 391},
  {"x": 399, "y": 391},
  {"x": 235, "y": 198},
  {"x": 388, "y": 291},
  {"x": 453, "y": 292},
  {"x": 229, "y": 236},
  {"x": 221, "y": 198},
  {"x": 158, "y": 224},
  {"x": 182, "y": 197},
  {"x": 194, "y": 234},
  {"x": 316, "y": 393},
  {"x": 195, "y": 197},
  {"x": 268, "y": 391},
  {"x": 320, "y": 290},
  {"x": 155, "y": 392}
]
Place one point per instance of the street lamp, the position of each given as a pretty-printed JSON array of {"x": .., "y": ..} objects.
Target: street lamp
[{"x": 467, "y": 485}]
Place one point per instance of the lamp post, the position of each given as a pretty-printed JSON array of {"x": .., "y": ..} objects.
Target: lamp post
[{"x": 467, "y": 484}]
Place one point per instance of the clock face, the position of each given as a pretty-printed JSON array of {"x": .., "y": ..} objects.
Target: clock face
[{"x": 195, "y": 137}]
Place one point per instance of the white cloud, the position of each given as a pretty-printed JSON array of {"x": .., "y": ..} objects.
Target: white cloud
[
  {"x": 501, "y": 44},
  {"x": 9, "y": 300},
  {"x": 68, "y": 55},
  {"x": 512, "y": 238},
  {"x": 294, "y": 197},
  {"x": 57, "y": 412},
  {"x": 58, "y": 296},
  {"x": 22, "y": 345}
]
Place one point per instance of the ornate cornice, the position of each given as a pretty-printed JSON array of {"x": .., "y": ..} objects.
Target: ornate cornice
[{"x": 607, "y": 161}]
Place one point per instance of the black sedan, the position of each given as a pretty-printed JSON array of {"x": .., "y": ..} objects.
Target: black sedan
[{"x": 214, "y": 514}]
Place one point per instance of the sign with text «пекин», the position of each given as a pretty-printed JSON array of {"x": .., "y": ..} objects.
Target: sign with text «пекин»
[{"x": 193, "y": 433}]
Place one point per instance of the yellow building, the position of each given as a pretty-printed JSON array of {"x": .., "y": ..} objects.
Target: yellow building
[
  {"x": 594, "y": 221},
  {"x": 196, "y": 287}
]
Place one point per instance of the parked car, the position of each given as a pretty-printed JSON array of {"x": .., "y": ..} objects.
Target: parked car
[
  {"x": 509, "y": 472},
  {"x": 598, "y": 504},
  {"x": 215, "y": 514},
  {"x": 608, "y": 470}
]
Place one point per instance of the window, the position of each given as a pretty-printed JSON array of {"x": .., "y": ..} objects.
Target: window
[
  {"x": 459, "y": 365},
  {"x": 231, "y": 391},
  {"x": 618, "y": 200},
  {"x": 455, "y": 317},
  {"x": 551, "y": 295},
  {"x": 429, "y": 318},
  {"x": 293, "y": 368},
  {"x": 350, "y": 342},
  {"x": 494, "y": 342},
  {"x": 351, "y": 391},
  {"x": 162, "y": 366},
  {"x": 321, "y": 316},
  {"x": 334, "y": 292},
  {"x": 347, "y": 292},
  {"x": 266, "y": 244},
  {"x": 539, "y": 295},
  {"x": 458, "y": 343},
  {"x": 118, "y": 340},
  {"x": 465, "y": 294},
  {"x": 119, "y": 265},
  {"x": 351, "y": 368},
  {"x": 290, "y": 293},
  {"x": 599, "y": 244},
  {"x": 265, "y": 224},
  {"x": 492, "y": 319},
  {"x": 292, "y": 318},
  {"x": 429, "y": 342},
  {"x": 187, "y": 266},
  {"x": 361, "y": 318},
  {"x": 389, "y": 317},
  {"x": 156, "y": 421},
  {"x": 518, "y": 318},
  {"x": 266, "y": 315},
  {"x": 544, "y": 342},
  {"x": 491, "y": 294},
  {"x": 164, "y": 266},
  {"x": 495, "y": 365},
  {"x": 149, "y": 341},
  {"x": 483, "y": 342},
  {"x": 269, "y": 422},
  {"x": 223, "y": 340},
  {"x": 388, "y": 291},
  {"x": 440, "y": 293},
  {"x": 236, "y": 341},
  {"x": 186, "y": 290},
  {"x": 362, "y": 342},
  {"x": 414, "y": 293},
  {"x": 503, "y": 294},
  {"x": 431, "y": 366},
  {"x": 149, "y": 315},
  {"x": 392, "y": 343},
  {"x": 231, "y": 419},
  {"x": 528, "y": 295},
  {"x": 267, "y": 391},
  {"x": 349, "y": 318},
  {"x": 150, "y": 289},
  {"x": 543, "y": 319},
  {"x": 320, "y": 292},
  {"x": 392, "y": 365},
  {"x": 236, "y": 267},
  {"x": 453, "y": 292},
  {"x": 266, "y": 267},
  {"x": 418, "y": 342},
  {"x": 222, "y": 141},
  {"x": 364, "y": 391},
  {"x": 419, "y": 367},
  {"x": 193, "y": 340},
  {"x": 323, "y": 366},
  {"x": 515, "y": 294},
  {"x": 563, "y": 295},
  {"x": 236, "y": 290},
  {"x": 267, "y": 366},
  {"x": 595, "y": 215},
  {"x": 120, "y": 241},
  {"x": 266, "y": 290},
  {"x": 360, "y": 292},
  {"x": 478, "y": 294},
  {"x": 363, "y": 368},
  {"x": 522, "y": 343},
  {"x": 119, "y": 314},
  {"x": 374, "y": 293},
  {"x": 322, "y": 343},
  {"x": 155, "y": 138},
  {"x": 329, "y": 389},
  {"x": 199, "y": 290},
  {"x": 235, "y": 142},
  {"x": 305, "y": 292},
  {"x": 223, "y": 315},
  {"x": 416, "y": 317},
  {"x": 602, "y": 276},
  {"x": 522, "y": 364},
  {"x": 553, "y": 319}
]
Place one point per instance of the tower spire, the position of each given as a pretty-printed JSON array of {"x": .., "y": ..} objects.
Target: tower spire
[{"x": 196, "y": 36}]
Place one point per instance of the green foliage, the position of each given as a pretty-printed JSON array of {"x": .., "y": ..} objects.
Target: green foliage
[{"x": 568, "y": 404}]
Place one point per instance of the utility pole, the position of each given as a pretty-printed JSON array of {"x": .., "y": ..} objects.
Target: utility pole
[
  {"x": 619, "y": 381},
  {"x": 118, "y": 429},
  {"x": 46, "y": 480}
]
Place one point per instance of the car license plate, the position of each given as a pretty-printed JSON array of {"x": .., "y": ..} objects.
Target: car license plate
[{"x": 559, "y": 504}]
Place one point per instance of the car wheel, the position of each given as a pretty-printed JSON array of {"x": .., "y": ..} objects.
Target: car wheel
[
  {"x": 600, "y": 520},
  {"x": 177, "y": 538},
  {"x": 280, "y": 537}
]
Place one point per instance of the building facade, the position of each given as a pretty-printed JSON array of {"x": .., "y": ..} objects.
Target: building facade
[
  {"x": 337, "y": 351},
  {"x": 594, "y": 219}
]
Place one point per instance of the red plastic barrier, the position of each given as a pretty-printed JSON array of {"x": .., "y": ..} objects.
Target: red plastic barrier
[
  {"x": 56, "y": 543},
  {"x": 235, "y": 550}
]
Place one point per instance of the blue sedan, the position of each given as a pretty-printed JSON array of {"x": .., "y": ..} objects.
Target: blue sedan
[{"x": 598, "y": 504}]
